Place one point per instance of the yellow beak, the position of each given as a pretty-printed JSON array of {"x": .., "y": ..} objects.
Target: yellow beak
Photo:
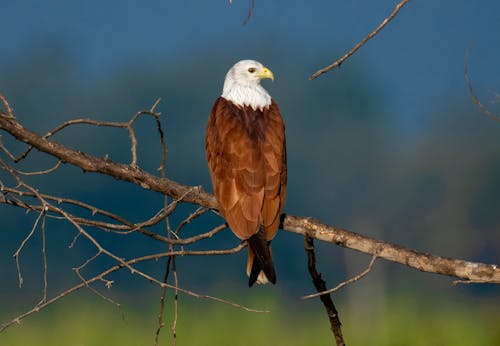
[{"x": 266, "y": 73}]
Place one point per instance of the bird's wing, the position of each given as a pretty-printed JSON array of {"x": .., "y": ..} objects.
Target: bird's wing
[
  {"x": 274, "y": 153},
  {"x": 236, "y": 167}
]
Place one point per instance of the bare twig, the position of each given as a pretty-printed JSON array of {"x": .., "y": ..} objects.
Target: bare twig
[
  {"x": 44, "y": 256},
  {"x": 8, "y": 109},
  {"x": 496, "y": 97},
  {"x": 361, "y": 43},
  {"x": 198, "y": 212},
  {"x": 161, "y": 324},
  {"x": 46, "y": 171},
  {"x": 125, "y": 125},
  {"x": 473, "y": 95},
  {"x": 91, "y": 163},
  {"x": 320, "y": 286},
  {"x": 176, "y": 300},
  {"x": 108, "y": 284},
  {"x": 129, "y": 263},
  {"x": 344, "y": 283},
  {"x": 250, "y": 12},
  {"x": 4, "y": 148},
  {"x": 23, "y": 243},
  {"x": 123, "y": 227},
  {"x": 171, "y": 260}
]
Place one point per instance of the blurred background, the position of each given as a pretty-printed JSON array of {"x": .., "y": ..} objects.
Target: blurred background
[{"x": 390, "y": 146}]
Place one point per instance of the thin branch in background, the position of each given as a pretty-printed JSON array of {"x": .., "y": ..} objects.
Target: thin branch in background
[
  {"x": 171, "y": 260},
  {"x": 161, "y": 324},
  {"x": 345, "y": 283},
  {"x": 72, "y": 122},
  {"x": 198, "y": 212},
  {"x": 44, "y": 256},
  {"x": 75, "y": 239},
  {"x": 473, "y": 95},
  {"x": 46, "y": 171},
  {"x": 85, "y": 121},
  {"x": 4, "y": 148},
  {"x": 23, "y": 243},
  {"x": 250, "y": 12},
  {"x": 8, "y": 109},
  {"x": 129, "y": 125},
  {"x": 176, "y": 300},
  {"x": 127, "y": 264},
  {"x": 107, "y": 283},
  {"x": 320, "y": 285},
  {"x": 87, "y": 262},
  {"x": 361, "y": 43},
  {"x": 123, "y": 227},
  {"x": 170, "y": 263},
  {"x": 496, "y": 97}
]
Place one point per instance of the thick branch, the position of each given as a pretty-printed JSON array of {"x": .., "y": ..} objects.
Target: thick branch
[
  {"x": 471, "y": 271},
  {"x": 465, "y": 270},
  {"x": 120, "y": 171}
]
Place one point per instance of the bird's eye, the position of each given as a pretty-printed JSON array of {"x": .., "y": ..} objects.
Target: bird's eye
[{"x": 251, "y": 69}]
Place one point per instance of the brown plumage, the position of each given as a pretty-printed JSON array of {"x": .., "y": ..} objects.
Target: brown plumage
[{"x": 246, "y": 154}]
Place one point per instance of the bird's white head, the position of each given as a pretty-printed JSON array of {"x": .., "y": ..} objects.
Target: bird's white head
[{"x": 242, "y": 84}]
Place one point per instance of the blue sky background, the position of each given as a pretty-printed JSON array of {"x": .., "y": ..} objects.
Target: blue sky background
[{"x": 417, "y": 62}]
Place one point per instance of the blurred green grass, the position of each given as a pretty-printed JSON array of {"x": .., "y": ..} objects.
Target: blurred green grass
[{"x": 401, "y": 322}]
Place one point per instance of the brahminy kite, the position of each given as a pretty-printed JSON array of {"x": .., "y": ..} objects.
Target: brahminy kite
[{"x": 245, "y": 148}]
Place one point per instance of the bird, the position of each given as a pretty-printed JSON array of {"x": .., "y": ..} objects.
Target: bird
[{"x": 246, "y": 153}]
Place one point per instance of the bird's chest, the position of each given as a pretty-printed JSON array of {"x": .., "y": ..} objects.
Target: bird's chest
[{"x": 253, "y": 124}]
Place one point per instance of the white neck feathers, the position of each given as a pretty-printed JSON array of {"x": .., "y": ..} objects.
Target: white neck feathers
[{"x": 241, "y": 94}]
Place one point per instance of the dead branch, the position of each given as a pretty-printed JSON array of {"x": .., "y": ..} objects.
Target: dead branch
[
  {"x": 473, "y": 95},
  {"x": 129, "y": 263},
  {"x": 361, "y": 43},
  {"x": 106, "y": 166},
  {"x": 22, "y": 195},
  {"x": 466, "y": 270},
  {"x": 122, "y": 226},
  {"x": 250, "y": 12},
  {"x": 461, "y": 269},
  {"x": 325, "y": 298},
  {"x": 344, "y": 283}
]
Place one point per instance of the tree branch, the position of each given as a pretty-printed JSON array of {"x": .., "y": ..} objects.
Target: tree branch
[
  {"x": 125, "y": 264},
  {"x": 361, "y": 43},
  {"x": 473, "y": 95},
  {"x": 89, "y": 163},
  {"x": 470, "y": 271},
  {"x": 325, "y": 298},
  {"x": 344, "y": 283},
  {"x": 21, "y": 194}
]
